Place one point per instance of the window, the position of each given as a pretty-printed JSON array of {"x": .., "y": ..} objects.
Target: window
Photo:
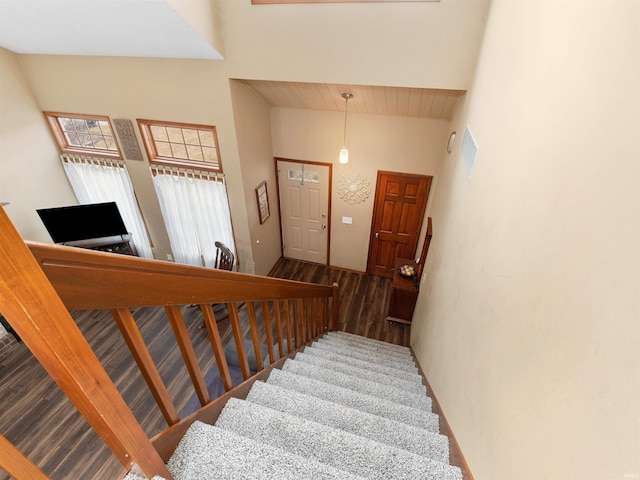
[
  {"x": 181, "y": 144},
  {"x": 86, "y": 134}
]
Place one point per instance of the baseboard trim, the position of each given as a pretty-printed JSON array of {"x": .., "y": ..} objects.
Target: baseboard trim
[{"x": 456, "y": 457}]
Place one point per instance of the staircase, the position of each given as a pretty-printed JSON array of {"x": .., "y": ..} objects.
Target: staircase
[{"x": 346, "y": 407}]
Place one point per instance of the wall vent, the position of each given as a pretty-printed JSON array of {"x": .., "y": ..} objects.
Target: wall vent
[{"x": 469, "y": 151}]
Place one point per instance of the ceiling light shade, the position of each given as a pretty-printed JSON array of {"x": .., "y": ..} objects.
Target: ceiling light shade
[
  {"x": 344, "y": 152},
  {"x": 344, "y": 155}
]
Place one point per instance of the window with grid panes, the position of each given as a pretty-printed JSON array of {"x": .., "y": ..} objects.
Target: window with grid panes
[
  {"x": 181, "y": 144},
  {"x": 84, "y": 134}
]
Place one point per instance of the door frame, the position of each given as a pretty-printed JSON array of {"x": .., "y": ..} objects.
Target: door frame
[
  {"x": 329, "y": 190},
  {"x": 376, "y": 206}
]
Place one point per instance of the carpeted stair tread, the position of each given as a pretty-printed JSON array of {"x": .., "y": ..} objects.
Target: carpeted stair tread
[
  {"x": 412, "y": 439},
  {"x": 404, "y": 365},
  {"x": 328, "y": 445},
  {"x": 354, "y": 383},
  {"x": 370, "y": 342},
  {"x": 207, "y": 452},
  {"x": 346, "y": 343},
  {"x": 388, "y": 380},
  {"x": 375, "y": 405},
  {"x": 375, "y": 367}
]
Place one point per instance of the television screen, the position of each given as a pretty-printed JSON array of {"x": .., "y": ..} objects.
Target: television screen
[{"x": 82, "y": 222}]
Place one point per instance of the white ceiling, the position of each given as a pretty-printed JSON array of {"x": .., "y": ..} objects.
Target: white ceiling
[{"x": 130, "y": 28}]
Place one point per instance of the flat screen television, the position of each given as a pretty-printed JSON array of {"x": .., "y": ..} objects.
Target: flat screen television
[{"x": 82, "y": 222}]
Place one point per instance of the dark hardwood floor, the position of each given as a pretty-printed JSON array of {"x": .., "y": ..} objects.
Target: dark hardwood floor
[
  {"x": 364, "y": 299},
  {"x": 38, "y": 418}
]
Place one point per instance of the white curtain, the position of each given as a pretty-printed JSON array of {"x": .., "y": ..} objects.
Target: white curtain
[
  {"x": 105, "y": 180},
  {"x": 196, "y": 213}
]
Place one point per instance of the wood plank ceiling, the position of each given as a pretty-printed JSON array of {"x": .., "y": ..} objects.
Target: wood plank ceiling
[{"x": 409, "y": 102}]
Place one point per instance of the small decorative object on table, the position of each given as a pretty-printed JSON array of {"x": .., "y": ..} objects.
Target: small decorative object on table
[{"x": 407, "y": 270}]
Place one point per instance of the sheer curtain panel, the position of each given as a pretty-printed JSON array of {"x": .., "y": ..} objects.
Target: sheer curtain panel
[
  {"x": 196, "y": 213},
  {"x": 96, "y": 180}
]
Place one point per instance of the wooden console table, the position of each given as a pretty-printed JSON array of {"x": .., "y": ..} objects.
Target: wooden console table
[
  {"x": 404, "y": 294},
  {"x": 121, "y": 244}
]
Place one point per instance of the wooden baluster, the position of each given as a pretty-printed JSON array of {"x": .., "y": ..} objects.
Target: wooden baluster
[
  {"x": 325, "y": 314},
  {"x": 303, "y": 321},
  {"x": 232, "y": 308},
  {"x": 321, "y": 303},
  {"x": 267, "y": 326},
  {"x": 315, "y": 306},
  {"x": 296, "y": 322},
  {"x": 16, "y": 464},
  {"x": 37, "y": 314},
  {"x": 216, "y": 345},
  {"x": 334, "y": 306},
  {"x": 276, "y": 309},
  {"x": 176, "y": 320},
  {"x": 254, "y": 335},
  {"x": 287, "y": 321},
  {"x": 132, "y": 336},
  {"x": 316, "y": 317},
  {"x": 309, "y": 316}
]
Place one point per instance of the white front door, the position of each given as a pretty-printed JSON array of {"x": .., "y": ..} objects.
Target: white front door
[{"x": 304, "y": 207}]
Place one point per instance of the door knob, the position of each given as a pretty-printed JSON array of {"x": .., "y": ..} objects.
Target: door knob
[
  {"x": 323, "y": 226},
  {"x": 377, "y": 235}
]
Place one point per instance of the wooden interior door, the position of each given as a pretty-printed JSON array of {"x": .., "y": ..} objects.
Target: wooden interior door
[
  {"x": 305, "y": 210},
  {"x": 400, "y": 204}
]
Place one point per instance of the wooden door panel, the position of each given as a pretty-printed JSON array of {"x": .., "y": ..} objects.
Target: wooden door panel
[{"x": 400, "y": 204}]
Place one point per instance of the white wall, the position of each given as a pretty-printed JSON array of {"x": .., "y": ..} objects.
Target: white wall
[
  {"x": 376, "y": 142},
  {"x": 528, "y": 324}
]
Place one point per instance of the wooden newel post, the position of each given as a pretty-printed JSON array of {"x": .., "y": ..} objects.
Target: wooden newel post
[
  {"x": 334, "y": 308},
  {"x": 36, "y": 312}
]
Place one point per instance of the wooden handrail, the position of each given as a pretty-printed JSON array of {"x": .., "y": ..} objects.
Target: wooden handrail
[
  {"x": 37, "y": 314},
  {"x": 87, "y": 279},
  {"x": 40, "y": 283}
]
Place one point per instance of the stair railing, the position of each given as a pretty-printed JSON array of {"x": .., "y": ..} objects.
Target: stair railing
[{"x": 40, "y": 283}]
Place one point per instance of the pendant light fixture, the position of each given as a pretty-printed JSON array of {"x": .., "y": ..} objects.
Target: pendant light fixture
[{"x": 344, "y": 152}]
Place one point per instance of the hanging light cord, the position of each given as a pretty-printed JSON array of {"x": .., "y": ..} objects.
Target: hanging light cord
[
  {"x": 347, "y": 97},
  {"x": 346, "y": 108}
]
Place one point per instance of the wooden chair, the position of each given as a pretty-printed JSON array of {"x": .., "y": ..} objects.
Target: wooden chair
[
  {"x": 224, "y": 257},
  {"x": 224, "y": 261}
]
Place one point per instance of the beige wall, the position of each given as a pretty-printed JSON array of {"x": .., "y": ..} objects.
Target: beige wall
[
  {"x": 29, "y": 163},
  {"x": 192, "y": 91},
  {"x": 376, "y": 142},
  {"x": 528, "y": 324},
  {"x": 422, "y": 44},
  {"x": 318, "y": 43},
  {"x": 253, "y": 130},
  {"x": 204, "y": 17}
]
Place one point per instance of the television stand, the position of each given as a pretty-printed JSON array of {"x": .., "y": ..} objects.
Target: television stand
[{"x": 121, "y": 244}]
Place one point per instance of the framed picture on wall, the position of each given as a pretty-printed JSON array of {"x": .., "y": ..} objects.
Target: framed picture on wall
[{"x": 263, "y": 202}]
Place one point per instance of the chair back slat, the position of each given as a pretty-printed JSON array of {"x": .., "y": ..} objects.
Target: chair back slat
[{"x": 224, "y": 257}]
